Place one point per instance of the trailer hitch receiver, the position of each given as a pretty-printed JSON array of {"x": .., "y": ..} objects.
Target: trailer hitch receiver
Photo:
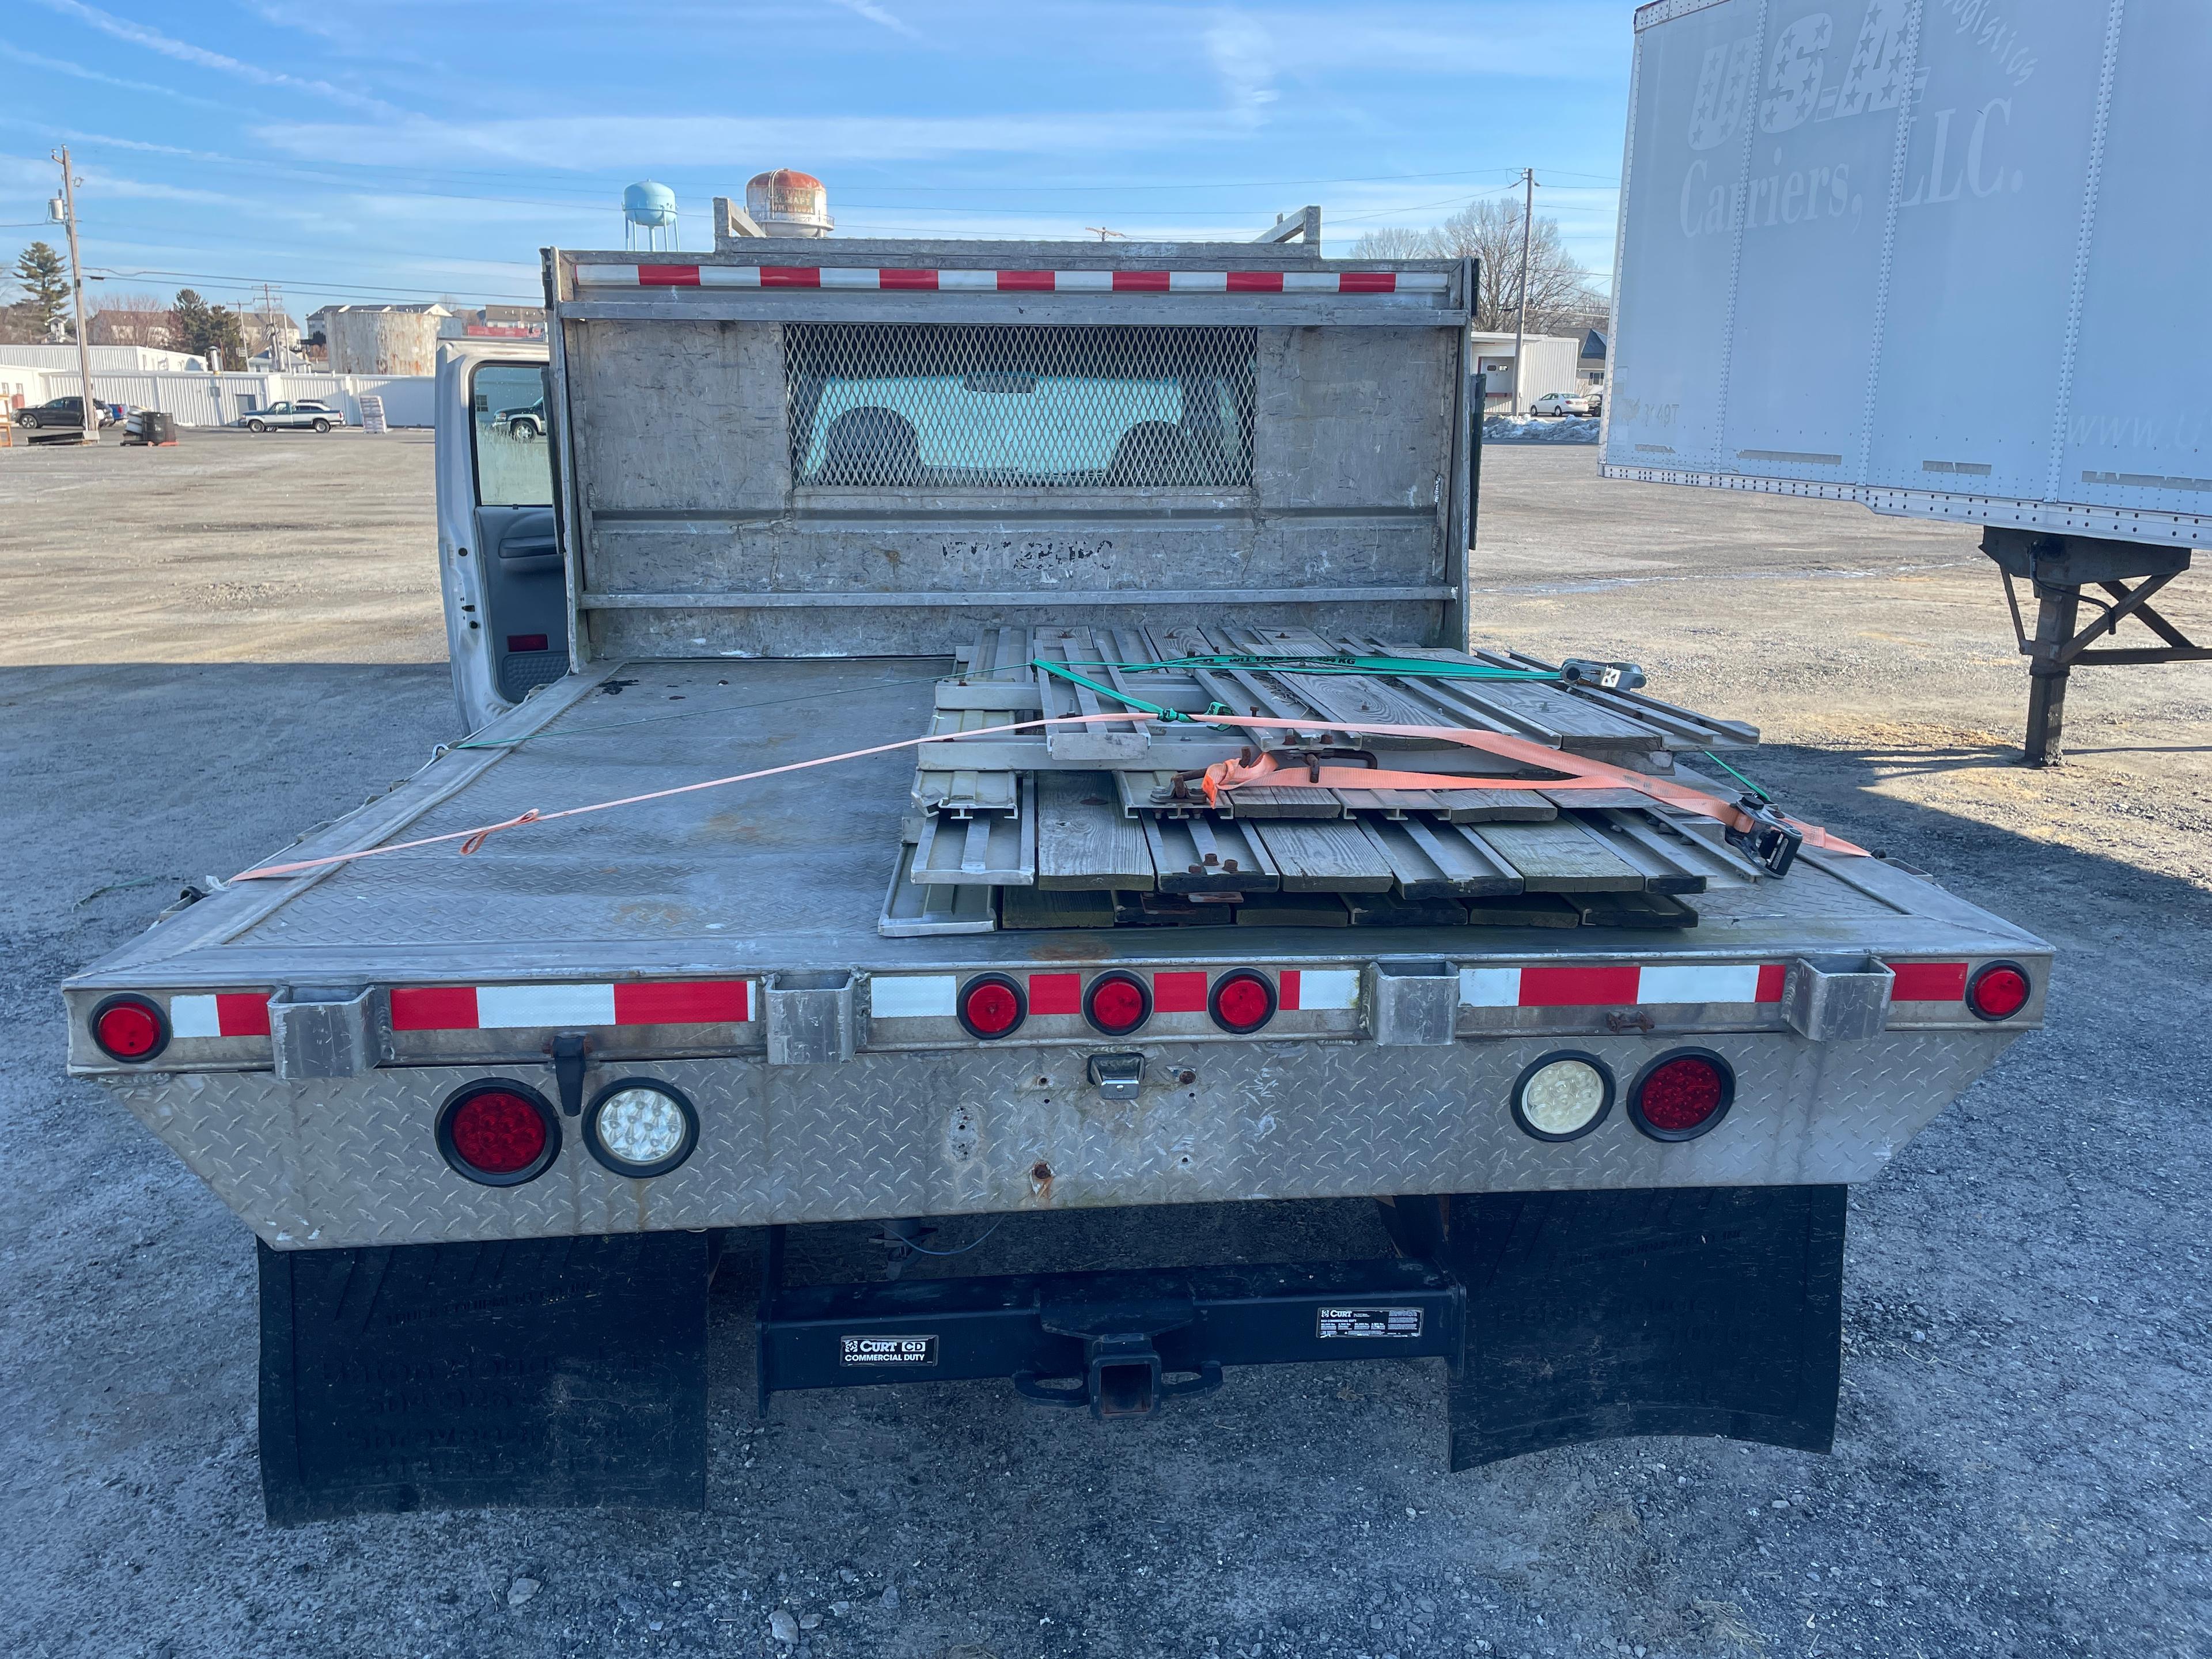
[{"x": 1124, "y": 1377}]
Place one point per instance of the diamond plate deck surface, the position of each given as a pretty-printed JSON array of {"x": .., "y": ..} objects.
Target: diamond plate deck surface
[{"x": 353, "y": 1162}]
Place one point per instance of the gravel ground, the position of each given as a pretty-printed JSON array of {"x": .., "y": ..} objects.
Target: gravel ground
[{"x": 212, "y": 647}]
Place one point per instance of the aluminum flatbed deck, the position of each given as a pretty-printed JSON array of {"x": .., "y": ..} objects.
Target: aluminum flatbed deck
[{"x": 788, "y": 874}]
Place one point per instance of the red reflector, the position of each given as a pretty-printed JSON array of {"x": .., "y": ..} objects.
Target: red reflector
[
  {"x": 1578, "y": 988},
  {"x": 241, "y": 1013},
  {"x": 1056, "y": 993},
  {"x": 991, "y": 1006},
  {"x": 525, "y": 641},
  {"x": 1179, "y": 993},
  {"x": 1243, "y": 1001},
  {"x": 1928, "y": 981},
  {"x": 1998, "y": 991},
  {"x": 498, "y": 1132},
  {"x": 1118, "y": 1004},
  {"x": 1683, "y": 1095},
  {"x": 130, "y": 1028}
]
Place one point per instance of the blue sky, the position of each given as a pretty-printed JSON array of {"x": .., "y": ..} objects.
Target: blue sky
[{"x": 350, "y": 150}]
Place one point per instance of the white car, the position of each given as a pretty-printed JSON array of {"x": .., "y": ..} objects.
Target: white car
[
  {"x": 305, "y": 416},
  {"x": 1563, "y": 403}
]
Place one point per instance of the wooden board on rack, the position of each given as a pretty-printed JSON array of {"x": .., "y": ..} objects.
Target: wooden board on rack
[{"x": 1084, "y": 840}]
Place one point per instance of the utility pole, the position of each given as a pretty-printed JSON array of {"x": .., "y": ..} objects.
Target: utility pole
[
  {"x": 1104, "y": 232},
  {"x": 86, "y": 408},
  {"x": 1521, "y": 307}
]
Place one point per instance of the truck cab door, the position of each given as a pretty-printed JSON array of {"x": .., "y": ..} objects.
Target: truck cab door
[{"x": 499, "y": 556}]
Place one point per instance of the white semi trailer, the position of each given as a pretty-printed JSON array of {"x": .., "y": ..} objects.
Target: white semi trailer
[{"x": 1939, "y": 257}]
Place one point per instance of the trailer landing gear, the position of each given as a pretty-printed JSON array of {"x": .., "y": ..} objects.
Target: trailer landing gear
[{"x": 2057, "y": 569}]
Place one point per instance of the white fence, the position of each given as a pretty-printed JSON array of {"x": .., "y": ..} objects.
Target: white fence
[{"x": 219, "y": 399}]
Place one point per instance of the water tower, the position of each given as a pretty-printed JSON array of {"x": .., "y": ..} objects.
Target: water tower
[
  {"x": 788, "y": 203},
  {"x": 649, "y": 213}
]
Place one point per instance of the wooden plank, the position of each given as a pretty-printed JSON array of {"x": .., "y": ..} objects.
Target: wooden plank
[
  {"x": 1632, "y": 910},
  {"x": 1389, "y": 910},
  {"x": 1664, "y": 870},
  {"x": 1429, "y": 860},
  {"x": 1193, "y": 856},
  {"x": 1720, "y": 864},
  {"x": 1556, "y": 858},
  {"x": 1329, "y": 856},
  {"x": 1590, "y": 799},
  {"x": 1028, "y": 908},
  {"x": 1259, "y": 802},
  {"x": 1496, "y": 807},
  {"x": 1085, "y": 841},
  {"x": 1527, "y": 910},
  {"x": 1170, "y": 910},
  {"x": 1293, "y": 910}
]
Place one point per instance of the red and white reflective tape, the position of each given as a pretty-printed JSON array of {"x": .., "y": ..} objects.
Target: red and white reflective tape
[
  {"x": 873, "y": 279},
  {"x": 506, "y": 1007},
  {"x": 935, "y": 996},
  {"x": 1630, "y": 985},
  {"x": 225, "y": 1014}
]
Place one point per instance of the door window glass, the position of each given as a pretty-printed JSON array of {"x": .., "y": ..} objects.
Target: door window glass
[{"x": 507, "y": 405}]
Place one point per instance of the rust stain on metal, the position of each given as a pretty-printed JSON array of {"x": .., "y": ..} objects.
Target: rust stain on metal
[{"x": 1040, "y": 1180}]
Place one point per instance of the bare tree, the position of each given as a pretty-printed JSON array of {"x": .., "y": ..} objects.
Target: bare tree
[
  {"x": 1561, "y": 298},
  {"x": 1395, "y": 242}
]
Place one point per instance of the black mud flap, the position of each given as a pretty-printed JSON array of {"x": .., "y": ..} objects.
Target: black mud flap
[
  {"x": 556, "y": 1371},
  {"x": 1699, "y": 1311}
]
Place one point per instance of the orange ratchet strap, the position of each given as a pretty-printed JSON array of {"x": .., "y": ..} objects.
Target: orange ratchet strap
[{"x": 1226, "y": 776}]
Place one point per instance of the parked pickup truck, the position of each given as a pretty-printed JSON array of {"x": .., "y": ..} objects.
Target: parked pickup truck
[
  {"x": 302, "y": 417},
  {"x": 495, "y": 1090}
]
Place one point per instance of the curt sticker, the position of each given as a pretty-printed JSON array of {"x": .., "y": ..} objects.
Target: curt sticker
[
  {"x": 887, "y": 1350},
  {"x": 1367, "y": 1322}
]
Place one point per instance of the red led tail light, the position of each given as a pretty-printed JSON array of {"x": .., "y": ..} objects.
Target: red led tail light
[
  {"x": 1242, "y": 1002},
  {"x": 130, "y": 1029},
  {"x": 1683, "y": 1095},
  {"x": 992, "y": 1005},
  {"x": 499, "y": 1135},
  {"x": 1117, "y": 1004}
]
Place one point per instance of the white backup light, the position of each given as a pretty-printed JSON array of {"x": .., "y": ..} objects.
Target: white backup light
[
  {"x": 641, "y": 1129},
  {"x": 1563, "y": 1097}
]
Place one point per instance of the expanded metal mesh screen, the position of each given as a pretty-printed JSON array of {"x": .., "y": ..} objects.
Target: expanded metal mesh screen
[{"x": 875, "y": 406}]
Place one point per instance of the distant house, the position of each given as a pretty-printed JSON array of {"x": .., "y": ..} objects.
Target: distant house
[{"x": 1591, "y": 363}]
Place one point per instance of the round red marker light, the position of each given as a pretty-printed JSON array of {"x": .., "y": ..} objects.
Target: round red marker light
[
  {"x": 1117, "y": 1004},
  {"x": 991, "y": 1006},
  {"x": 130, "y": 1029},
  {"x": 500, "y": 1134},
  {"x": 1243, "y": 1001},
  {"x": 1682, "y": 1095},
  {"x": 1998, "y": 991}
]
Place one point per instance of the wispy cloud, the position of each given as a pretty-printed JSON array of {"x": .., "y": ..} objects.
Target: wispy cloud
[
  {"x": 594, "y": 143},
  {"x": 1243, "y": 54},
  {"x": 876, "y": 14},
  {"x": 138, "y": 35},
  {"x": 63, "y": 66}
]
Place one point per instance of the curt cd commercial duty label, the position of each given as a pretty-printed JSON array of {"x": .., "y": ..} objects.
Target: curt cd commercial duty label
[
  {"x": 1367, "y": 1322},
  {"x": 887, "y": 1350}
]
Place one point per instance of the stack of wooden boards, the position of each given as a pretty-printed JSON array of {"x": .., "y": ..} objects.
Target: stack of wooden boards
[{"x": 1085, "y": 826}]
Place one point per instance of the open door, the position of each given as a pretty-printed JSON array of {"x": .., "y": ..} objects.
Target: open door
[{"x": 506, "y": 608}]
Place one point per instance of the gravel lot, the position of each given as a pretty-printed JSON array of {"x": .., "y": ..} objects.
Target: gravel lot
[{"x": 212, "y": 647}]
